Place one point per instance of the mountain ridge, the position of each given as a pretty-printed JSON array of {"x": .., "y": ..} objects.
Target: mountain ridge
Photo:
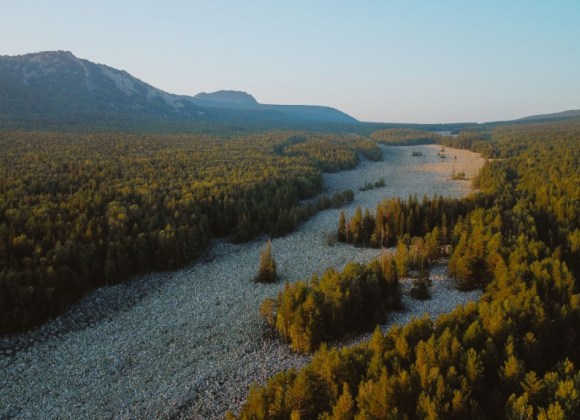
[
  {"x": 568, "y": 114},
  {"x": 226, "y": 97},
  {"x": 55, "y": 90},
  {"x": 60, "y": 73},
  {"x": 54, "y": 87},
  {"x": 234, "y": 99}
]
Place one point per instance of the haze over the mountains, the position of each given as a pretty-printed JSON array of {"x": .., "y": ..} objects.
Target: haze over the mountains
[
  {"x": 57, "y": 87},
  {"x": 57, "y": 90}
]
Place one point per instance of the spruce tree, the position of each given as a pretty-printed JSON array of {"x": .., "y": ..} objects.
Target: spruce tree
[
  {"x": 344, "y": 408},
  {"x": 342, "y": 233},
  {"x": 267, "y": 269}
]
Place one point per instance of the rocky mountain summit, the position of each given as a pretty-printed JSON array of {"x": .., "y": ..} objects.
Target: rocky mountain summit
[{"x": 226, "y": 97}]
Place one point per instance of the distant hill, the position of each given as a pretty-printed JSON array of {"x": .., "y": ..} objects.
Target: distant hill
[
  {"x": 225, "y": 98},
  {"x": 564, "y": 115},
  {"x": 230, "y": 99},
  {"x": 56, "y": 89},
  {"x": 557, "y": 116}
]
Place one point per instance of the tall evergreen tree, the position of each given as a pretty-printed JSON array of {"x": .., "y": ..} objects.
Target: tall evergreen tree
[
  {"x": 267, "y": 269},
  {"x": 342, "y": 229}
]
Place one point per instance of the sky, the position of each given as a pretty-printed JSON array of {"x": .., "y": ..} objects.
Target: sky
[{"x": 384, "y": 61}]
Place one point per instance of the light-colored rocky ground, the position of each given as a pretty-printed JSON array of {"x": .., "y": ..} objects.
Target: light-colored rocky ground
[
  {"x": 455, "y": 161},
  {"x": 191, "y": 341}
]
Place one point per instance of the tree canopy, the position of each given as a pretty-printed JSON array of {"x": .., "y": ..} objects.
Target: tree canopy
[
  {"x": 267, "y": 267},
  {"x": 513, "y": 354},
  {"x": 404, "y": 136},
  {"x": 79, "y": 211}
]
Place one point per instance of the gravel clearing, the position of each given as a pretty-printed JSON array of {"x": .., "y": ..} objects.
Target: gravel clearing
[{"x": 188, "y": 343}]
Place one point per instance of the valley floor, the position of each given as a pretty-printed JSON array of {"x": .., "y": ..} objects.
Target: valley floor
[{"x": 192, "y": 341}]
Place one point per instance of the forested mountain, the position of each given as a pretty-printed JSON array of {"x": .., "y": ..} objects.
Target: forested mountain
[
  {"x": 570, "y": 115},
  {"x": 564, "y": 115},
  {"x": 229, "y": 99},
  {"x": 55, "y": 89}
]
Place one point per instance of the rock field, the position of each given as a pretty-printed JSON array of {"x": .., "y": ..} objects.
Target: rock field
[{"x": 188, "y": 343}]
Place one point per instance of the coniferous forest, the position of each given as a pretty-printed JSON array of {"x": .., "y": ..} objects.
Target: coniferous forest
[
  {"x": 83, "y": 211},
  {"x": 290, "y": 210},
  {"x": 404, "y": 136},
  {"x": 309, "y": 313},
  {"x": 513, "y": 354}
]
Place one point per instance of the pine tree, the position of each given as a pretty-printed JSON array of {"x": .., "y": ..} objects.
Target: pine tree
[
  {"x": 344, "y": 408},
  {"x": 402, "y": 258},
  {"x": 356, "y": 226},
  {"x": 267, "y": 269},
  {"x": 342, "y": 229}
]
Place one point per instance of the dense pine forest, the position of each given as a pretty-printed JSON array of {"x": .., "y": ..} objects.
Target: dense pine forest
[
  {"x": 83, "y": 211},
  {"x": 404, "y": 136},
  {"x": 513, "y": 354},
  {"x": 470, "y": 140},
  {"x": 308, "y": 313},
  {"x": 396, "y": 218}
]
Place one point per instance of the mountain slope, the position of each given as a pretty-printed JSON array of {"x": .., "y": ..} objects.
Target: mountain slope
[
  {"x": 56, "y": 89},
  {"x": 564, "y": 115},
  {"x": 58, "y": 84},
  {"x": 230, "y": 99},
  {"x": 225, "y": 99},
  {"x": 541, "y": 118},
  {"x": 312, "y": 113}
]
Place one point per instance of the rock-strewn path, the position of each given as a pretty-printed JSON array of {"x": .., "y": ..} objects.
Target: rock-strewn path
[{"x": 191, "y": 341}]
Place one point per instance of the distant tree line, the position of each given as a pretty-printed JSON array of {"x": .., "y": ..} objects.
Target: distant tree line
[
  {"x": 465, "y": 140},
  {"x": 329, "y": 152},
  {"x": 404, "y": 137},
  {"x": 395, "y": 218},
  {"x": 380, "y": 183},
  {"x": 475, "y": 139}
]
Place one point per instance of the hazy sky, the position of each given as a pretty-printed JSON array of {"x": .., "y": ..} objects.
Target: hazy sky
[{"x": 401, "y": 61}]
